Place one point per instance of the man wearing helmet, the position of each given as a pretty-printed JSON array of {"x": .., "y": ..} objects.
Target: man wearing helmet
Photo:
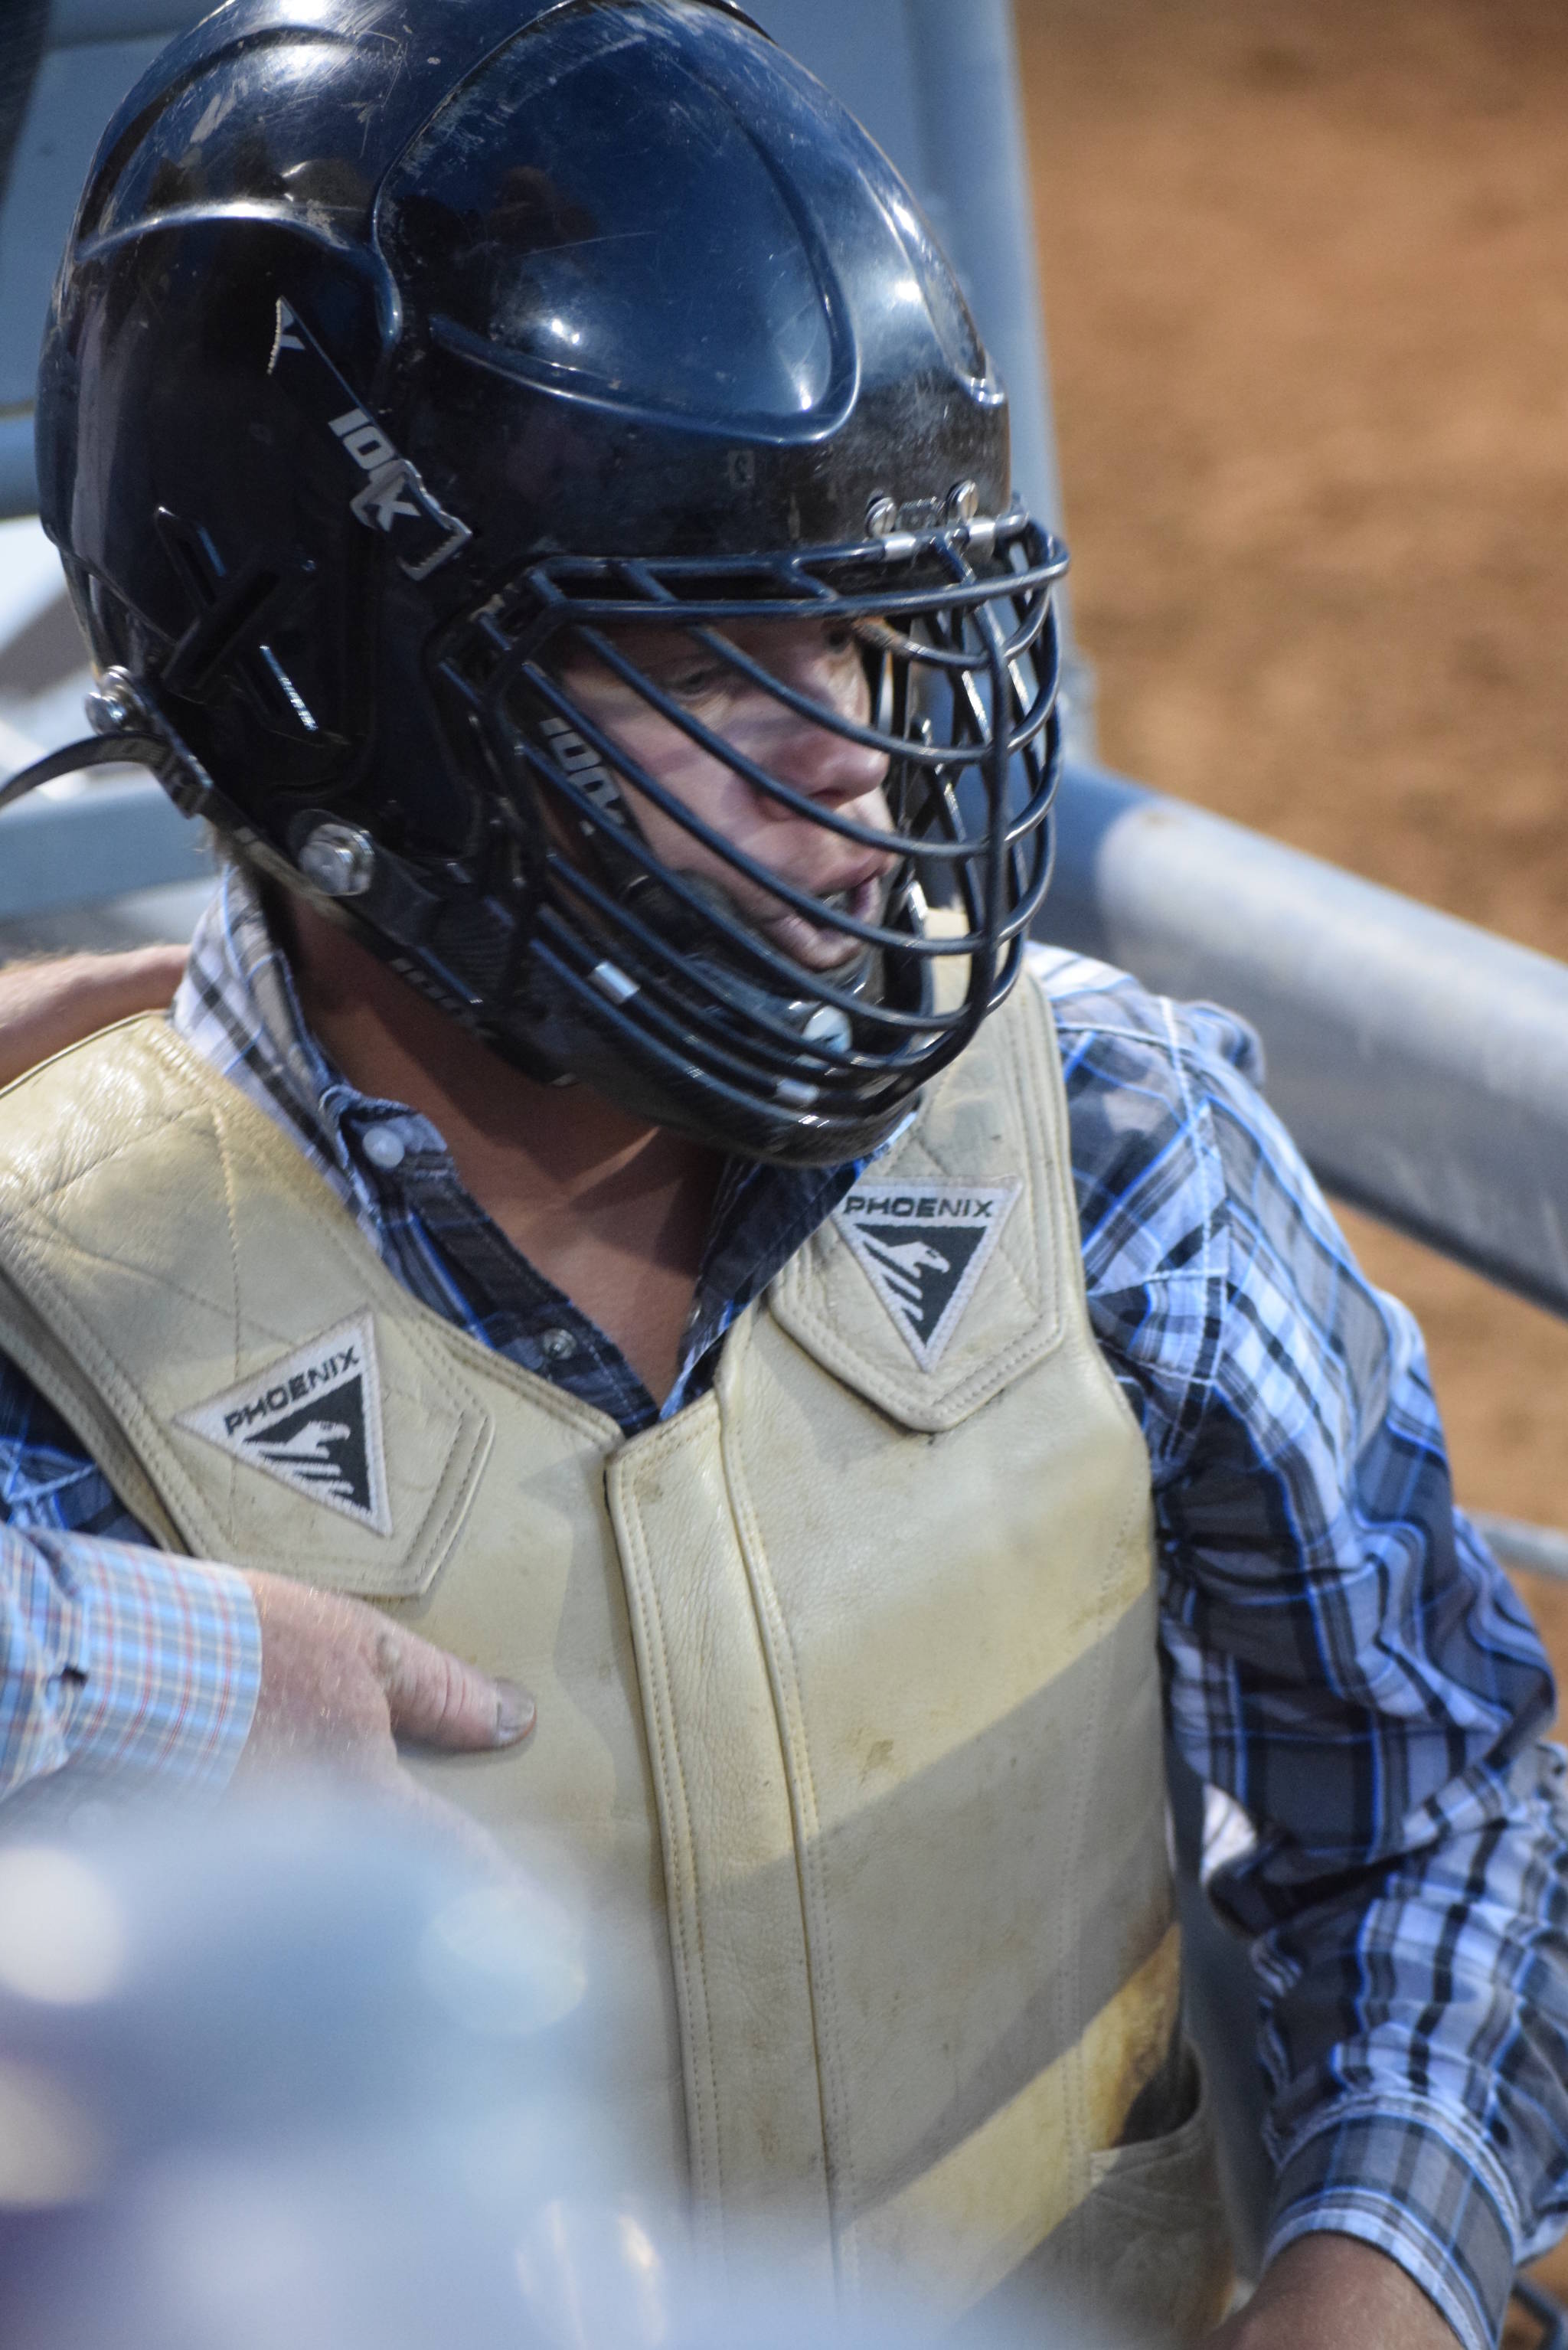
[{"x": 618, "y": 1202}]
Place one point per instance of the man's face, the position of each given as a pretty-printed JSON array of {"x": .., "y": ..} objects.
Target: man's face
[{"x": 815, "y": 659}]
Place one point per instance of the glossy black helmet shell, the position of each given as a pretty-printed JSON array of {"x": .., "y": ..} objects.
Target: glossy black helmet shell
[{"x": 378, "y": 313}]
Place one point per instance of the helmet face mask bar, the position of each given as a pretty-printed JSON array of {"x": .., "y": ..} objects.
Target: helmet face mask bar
[{"x": 666, "y": 964}]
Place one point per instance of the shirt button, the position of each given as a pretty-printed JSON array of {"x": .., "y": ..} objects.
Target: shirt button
[
  {"x": 557, "y": 1344},
  {"x": 384, "y": 1147}
]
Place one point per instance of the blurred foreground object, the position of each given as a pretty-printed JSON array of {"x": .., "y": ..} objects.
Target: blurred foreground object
[
  {"x": 276, "y": 2080},
  {"x": 298, "y": 2081}
]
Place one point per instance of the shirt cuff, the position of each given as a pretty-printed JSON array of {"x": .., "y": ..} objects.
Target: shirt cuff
[
  {"x": 170, "y": 1663},
  {"x": 1427, "y": 2193}
]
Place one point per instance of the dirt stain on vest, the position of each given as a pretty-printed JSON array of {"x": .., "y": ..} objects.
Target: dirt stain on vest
[{"x": 1145, "y": 2083}]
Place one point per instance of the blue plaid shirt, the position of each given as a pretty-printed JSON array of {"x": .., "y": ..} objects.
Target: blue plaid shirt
[{"x": 1345, "y": 1667}]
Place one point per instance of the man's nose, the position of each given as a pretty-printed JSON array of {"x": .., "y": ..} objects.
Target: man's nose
[{"x": 814, "y": 757}]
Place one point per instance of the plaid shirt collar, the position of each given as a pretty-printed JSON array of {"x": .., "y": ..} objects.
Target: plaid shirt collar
[{"x": 391, "y": 1169}]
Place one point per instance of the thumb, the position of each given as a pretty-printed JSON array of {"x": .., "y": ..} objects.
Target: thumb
[{"x": 433, "y": 1697}]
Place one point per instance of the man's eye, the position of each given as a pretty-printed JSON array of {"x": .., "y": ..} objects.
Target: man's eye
[{"x": 691, "y": 684}]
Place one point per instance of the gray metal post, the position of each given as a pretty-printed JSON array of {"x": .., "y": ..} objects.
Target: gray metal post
[
  {"x": 976, "y": 176},
  {"x": 936, "y": 84},
  {"x": 969, "y": 97},
  {"x": 119, "y": 836},
  {"x": 96, "y": 50}
]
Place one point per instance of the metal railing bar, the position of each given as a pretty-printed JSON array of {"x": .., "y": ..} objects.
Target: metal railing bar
[
  {"x": 1421, "y": 1063},
  {"x": 1524, "y": 1549},
  {"x": 106, "y": 840}
]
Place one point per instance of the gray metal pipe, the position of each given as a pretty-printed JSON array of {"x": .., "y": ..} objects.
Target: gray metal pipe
[
  {"x": 1421, "y": 1063},
  {"x": 1525, "y": 1549},
  {"x": 114, "y": 838},
  {"x": 975, "y": 155},
  {"x": 976, "y": 176},
  {"x": 18, "y": 480},
  {"x": 73, "y": 23}
]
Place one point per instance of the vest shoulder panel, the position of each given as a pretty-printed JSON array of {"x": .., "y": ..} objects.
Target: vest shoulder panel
[{"x": 978, "y": 1180}]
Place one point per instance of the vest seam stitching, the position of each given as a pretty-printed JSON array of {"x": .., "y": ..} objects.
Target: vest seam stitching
[
  {"x": 1077, "y": 2093},
  {"x": 441, "y": 1539},
  {"x": 35, "y": 1210},
  {"x": 226, "y": 1163},
  {"x": 39, "y": 1198},
  {"x": 651, "y": 1615},
  {"x": 1044, "y": 1111},
  {"x": 351, "y": 1245},
  {"x": 938, "y": 1414},
  {"x": 776, "y": 1631}
]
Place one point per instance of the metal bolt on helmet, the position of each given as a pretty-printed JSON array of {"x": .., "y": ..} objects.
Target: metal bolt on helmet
[{"x": 412, "y": 359}]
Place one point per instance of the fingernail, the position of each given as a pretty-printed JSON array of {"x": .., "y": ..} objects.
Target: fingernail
[{"x": 514, "y": 1713}]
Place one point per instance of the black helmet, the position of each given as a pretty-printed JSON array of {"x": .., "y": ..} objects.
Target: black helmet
[{"x": 407, "y": 352}]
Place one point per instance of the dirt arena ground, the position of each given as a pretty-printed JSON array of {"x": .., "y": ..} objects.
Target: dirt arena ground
[
  {"x": 1306, "y": 273},
  {"x": 1306, "y": 278}
]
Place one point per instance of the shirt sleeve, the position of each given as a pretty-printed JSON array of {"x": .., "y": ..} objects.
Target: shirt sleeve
[
  {"x": 118, "y": 1658},
  {"x": 1344, "y": 1660}
]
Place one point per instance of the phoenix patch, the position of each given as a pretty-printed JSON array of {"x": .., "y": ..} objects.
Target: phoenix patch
[
  {"x": 312, "y": 1420},
  {"x": 924, "y": 1246}
]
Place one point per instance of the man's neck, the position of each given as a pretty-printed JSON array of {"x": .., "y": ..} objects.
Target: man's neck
[{"x": 611, "y": 1210}]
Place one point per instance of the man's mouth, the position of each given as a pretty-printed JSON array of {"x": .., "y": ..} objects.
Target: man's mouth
[{"x": 818, "y": 945}]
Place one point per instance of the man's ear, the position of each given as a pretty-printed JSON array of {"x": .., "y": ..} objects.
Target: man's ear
[{"x": 46, "y": 1006}]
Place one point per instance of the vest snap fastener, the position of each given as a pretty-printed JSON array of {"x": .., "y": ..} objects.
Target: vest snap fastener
[
  {"x": 557, "y": 1344},
  {"x": 384, "y": 1147}
]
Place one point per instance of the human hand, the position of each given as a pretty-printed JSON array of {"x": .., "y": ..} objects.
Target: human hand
[
  {"x": 1333, "y": 2292},
  {"x": 46, "y": 1006},
  {"x": 341, "y": 1684}
]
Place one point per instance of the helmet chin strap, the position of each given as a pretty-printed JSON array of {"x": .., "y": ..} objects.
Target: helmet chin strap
[
  {"x": 93, "y": 751},
  {"x": 126, "y": 732}
]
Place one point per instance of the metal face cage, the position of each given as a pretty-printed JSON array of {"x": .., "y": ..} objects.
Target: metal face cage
[{"x": 957, "y": 634}]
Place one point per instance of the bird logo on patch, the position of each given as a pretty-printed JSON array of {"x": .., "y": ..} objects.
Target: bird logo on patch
[
  {"x": 312, "y": 1420},
  {"x": 924, "y": 1246}
]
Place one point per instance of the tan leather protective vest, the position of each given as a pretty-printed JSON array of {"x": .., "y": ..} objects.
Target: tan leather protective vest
[{"x": 848, "y": 1741}]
